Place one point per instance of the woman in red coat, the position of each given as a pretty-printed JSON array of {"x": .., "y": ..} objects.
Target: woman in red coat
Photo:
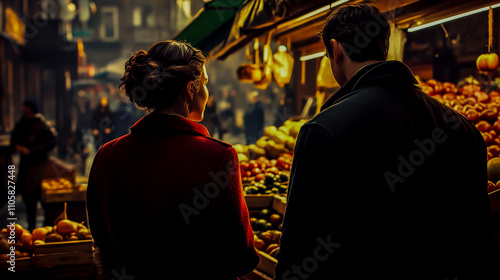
[{"x": 165, "y": 201}]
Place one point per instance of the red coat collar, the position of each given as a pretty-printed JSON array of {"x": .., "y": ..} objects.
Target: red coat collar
[{"x": 161, "y": 124}]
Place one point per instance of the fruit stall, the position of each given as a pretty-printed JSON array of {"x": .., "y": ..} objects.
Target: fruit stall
[
  {"x": 62, "y": 251},
  {"x": 65, "y": 250}
]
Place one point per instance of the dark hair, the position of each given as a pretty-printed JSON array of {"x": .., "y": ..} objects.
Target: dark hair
[
  {"x": 31, "y": 104},
  {"x": 362, "y": 30},
  {"x": 153, "y": 78}
]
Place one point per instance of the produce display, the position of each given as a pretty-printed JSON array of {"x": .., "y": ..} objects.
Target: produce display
[
  {"x": 274, "y": 142},
  {"x": 264, "y": 176},
  {"x": 469, "y": 99},
  {"x": 25, "y": 241},
  {"x": 267, "y": 231},
  {"x": 265, "y": 165}
]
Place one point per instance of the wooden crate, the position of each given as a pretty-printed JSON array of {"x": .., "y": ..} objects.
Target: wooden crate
[
  {"x": 279, "y": 204},
  {"x": 266, "y": 264},
  {"x": 495, "y": 201},
  {"x": 77, "y": 252},
  {"x": 22, "y": 264},
  {"x": 57, "y": 168},
  {"x": 76, "y": 193},
  {"x": 259, "y": 200}
]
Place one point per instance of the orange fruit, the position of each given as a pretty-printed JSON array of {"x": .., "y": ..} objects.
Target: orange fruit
[
  {"x": 40, "y": 234},
  {"x": 26, "y": 238},
  {"x": 259, "y": 244},
  {"x": 66, "y": 227},
  {"x": 18, "y": 229}
]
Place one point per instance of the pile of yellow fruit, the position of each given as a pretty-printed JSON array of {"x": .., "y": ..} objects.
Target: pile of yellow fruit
[{"x": 274, "y": 142}]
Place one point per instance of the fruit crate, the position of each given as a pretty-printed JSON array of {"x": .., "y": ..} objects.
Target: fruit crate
[
  {"x": 267, "y": 263},
  {"x": 259, "y": 200},
  {"x": 279, "y": 204},
  {"x": 75, "y": 193},
  {"x": 22, "y": 264},
  {"x": 58, "y": 168},
  {"x": 51, "y": 254},
  {"x": 495, "y": 201}
]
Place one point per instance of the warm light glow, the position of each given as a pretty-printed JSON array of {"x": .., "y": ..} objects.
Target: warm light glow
[
  {"x": 312, "y": 56},
  {"x": 438, "y": 22},
  {"x": 71, "y": 7},
  {"x": 282, "y": 48},
  {"x": 322, "y": 9}
]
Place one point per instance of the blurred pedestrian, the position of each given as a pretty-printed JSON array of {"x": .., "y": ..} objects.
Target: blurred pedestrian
[
  {"x": 103, "y": 124},
  {"x": 169, "y": 175},
  {"x": 254, "y": 118},
  {"x": 33, "y": 139},
  {"x": 123, "y": 118},
  {"x": 212, "y": 120}
]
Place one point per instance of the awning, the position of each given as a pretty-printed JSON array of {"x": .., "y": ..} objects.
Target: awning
[{"x": 211, "y": 25}]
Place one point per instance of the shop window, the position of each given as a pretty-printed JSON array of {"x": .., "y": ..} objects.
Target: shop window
[
  {"x": 109, "y": 23},
  {"x": 143, "y": 16}
]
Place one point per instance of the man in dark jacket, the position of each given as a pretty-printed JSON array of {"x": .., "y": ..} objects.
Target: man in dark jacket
[
  {"x": 386, "y": 183},
  {"x": 34, "y": 139}
]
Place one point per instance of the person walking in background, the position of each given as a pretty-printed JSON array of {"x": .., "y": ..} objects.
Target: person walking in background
[
  {"x": 211, "y": 120},
  {"x": 33, "y": 139},
  {"x": 253, "y": 120},
  {"x": 406, "y": 206},
  {"x": 123, "y": 118},
  {"x": 184, "y": 186},
  {"x": 103, "y": 124}
]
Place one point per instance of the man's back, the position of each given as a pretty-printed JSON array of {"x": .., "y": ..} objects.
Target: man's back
[{"x": 388, "y": 182}]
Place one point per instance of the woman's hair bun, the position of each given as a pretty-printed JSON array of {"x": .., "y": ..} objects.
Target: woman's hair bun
[{"x": 154, "y": 78}]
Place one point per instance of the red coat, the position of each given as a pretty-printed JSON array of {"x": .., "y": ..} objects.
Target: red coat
[{"x": 166, "y": 199}]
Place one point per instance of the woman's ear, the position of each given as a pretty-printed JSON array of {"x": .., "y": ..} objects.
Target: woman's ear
[{"x": 190, "y": 90}]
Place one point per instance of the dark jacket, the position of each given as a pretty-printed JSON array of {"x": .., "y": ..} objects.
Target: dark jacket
[
  {"x": 37, "y": 136},
  {"x": 166, "y": 201},
  {"x": 386, "y": 183}
]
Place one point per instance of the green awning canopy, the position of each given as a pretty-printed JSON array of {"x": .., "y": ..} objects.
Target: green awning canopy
[{"x": 211, "y": 25}]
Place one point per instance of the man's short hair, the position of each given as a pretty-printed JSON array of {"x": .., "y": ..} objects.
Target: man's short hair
[{"x": 362, "y": 30}]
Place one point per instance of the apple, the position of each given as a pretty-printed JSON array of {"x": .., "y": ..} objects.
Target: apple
[
  {"x": 449, "y": 96},
  {"x": 487, "y": 62},
  {"x": 493, "y": 168},
  {"x": 432, "y": 83},
  {"x": 496, "y": 126},
  {"x": 488, "y": 138},
  {"x": 438, "y": 88},
  {"x": 469, "y": 101},
  {"x": 483, "y": 126},
  {"x": 494, "y": 150},
  {"x": 428, "y": 90},
  {"x": 275, "y": 219},
  {"x": 472, "y": 115}
]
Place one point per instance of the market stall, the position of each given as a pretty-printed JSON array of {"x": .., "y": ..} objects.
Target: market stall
[{"x": 282, "y": 48}]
